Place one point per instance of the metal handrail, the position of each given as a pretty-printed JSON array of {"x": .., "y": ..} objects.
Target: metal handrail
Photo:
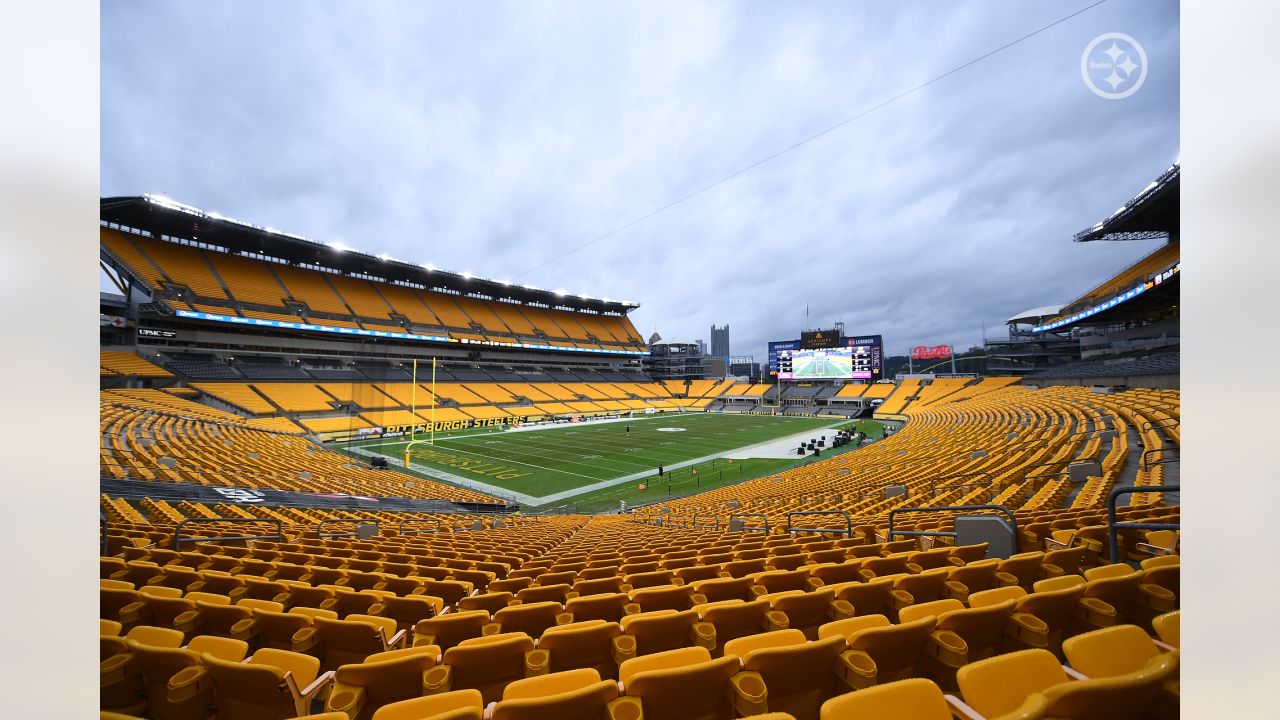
[
  {"x": 178, "y": 539},
  {"x": 1142, "y": 462},
  {"x": 322, "y": 535},
  {"x": 401, "y": 531},
  {"x": 906, "y": 492},
  {"x": 715, "y": 518},
  {"x": 1152, "y": 424},
  {"x": 752, "y": 529},
  {"x": 848, "y": 521},
  {"x": 934, "y": 490},
  {"x": 1013, "y": 520},
  {"x": 934, "y": 487},
  {"x": 1113, "y": 527}
]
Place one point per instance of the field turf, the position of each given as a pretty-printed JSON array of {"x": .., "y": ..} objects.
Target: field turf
[{"x": 553, "y": 460}]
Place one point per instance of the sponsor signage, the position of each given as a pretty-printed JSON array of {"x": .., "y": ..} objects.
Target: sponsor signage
[
  {"x": 937, "y": 352},
  {"x": 360, "y": 332},
  {"x": 154, "y": 333},
  {"x": 111, "y": 321},
  {"x": 1133, "y": 292}
]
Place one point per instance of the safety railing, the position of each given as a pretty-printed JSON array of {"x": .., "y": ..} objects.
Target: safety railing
[
  {"x": 746, "y": 528},
  {"x": 944, "y": 533},
  {"x": 934, "y": 487},
  {"x": 848, "y": 521},
  {"x": 1167, "y": 422},
  {"x": 715, "y": 522},
  {"x": 879, "y": 492},
  {"x": 178, "y": 539},
  {"x": 320, "y": 528},
  {"x": 401, "y": 531},
  {"x": 1144, "y": 463},
  {"x": 1114, "y": 528}
]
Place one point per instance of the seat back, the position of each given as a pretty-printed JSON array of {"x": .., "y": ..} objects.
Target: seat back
[
  {"x": 581, "y": 645},
  {"x": 1000, "y": 685},
  {"x": 488, "y": 663},
  {"x": 896, "y": 649},
  {"x": 1112, "y": 651},
  {"x": 448, "y": 630},
  {"x": 384, "y": 677},
  {"x": 571, "y": 694},
  {"x": 1115, "y": 698},
  {"x": 608, "y": 607},
  {"x": 683, "y": 683},
  {"x": 659, "y": 630},
  {"x": 799, "y": 676},
  {"x": 915, "y": 698},
  {"x": 254, "y": 690},
  {"x": 531, "y": 619}
]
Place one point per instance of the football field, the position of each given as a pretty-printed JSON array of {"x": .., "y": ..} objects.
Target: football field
[{"x": 538, "y": 466}]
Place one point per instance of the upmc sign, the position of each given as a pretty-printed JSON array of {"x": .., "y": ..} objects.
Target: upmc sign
[{"x": 937, "y": 352}]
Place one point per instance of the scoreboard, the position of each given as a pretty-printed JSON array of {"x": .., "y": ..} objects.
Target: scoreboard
[{"x": 844, "y": 358}]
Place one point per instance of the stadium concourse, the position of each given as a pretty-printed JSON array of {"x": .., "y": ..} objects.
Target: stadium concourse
[{"x": 1005, "y": 551}]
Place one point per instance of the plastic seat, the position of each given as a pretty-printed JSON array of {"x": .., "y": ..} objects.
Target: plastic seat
[
  {"x": 961, "y": 636},
  {"x": 1167, "y": 628},
  {"x": 924, "y": 587},
  {"x": 610, "y": 607},
  {"x": 360, "y": 689},
  {"x": 776, "y": 581},
  {"x": 835, "y": 573},
  {"x": 168, "y": 696},
  {"x": 718, "y": 589},
  {"x": 275, "y": 629},
  {"x": 456, "y": 705},
  {"x": 545, "y": 593},
  {"x": 272, "y": 685},
  {"x": 1022, "y": 569},
  {"x": 663, "y": 597},
  {"x": 798, "y": 675},
  {"x": 587, "y": 644},
  {"x": 121, "y": 684},
  {"x": 446, "y": 631},
  {"x": 915, "y": 698},
  {"x": 875, "y": 597},
  {"x": 885, "y": 565},
  {"x": 807, "y": 611},
  {"x": 531, "y": 619},
  {"x": 408, "y": 611},
  {"x": 734, "y": 619},
  {"x": 301, "y": 594},
  {"x": 971, "y": 578},
  {"x": 1032, "y": 684},
  {"x": 572, "y": 695},
  {"x": 487, "y": 664},
  {"x": 922, "y": 560},
  {"x": 1110, "y": 652},
  {"x": 1042, "y": 619},
  {"x": 683, "y": 684},
  {"x": 354, "y": 638},
  {"x": 1126, "y": 590},
  {"x": 878, "y": 651},
  {"x": 661, "y": 630},
  {"x": 697, "y": 572}
]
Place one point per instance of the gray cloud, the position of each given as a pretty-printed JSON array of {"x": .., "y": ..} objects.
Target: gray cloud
[{"x": 490, "y": 137}]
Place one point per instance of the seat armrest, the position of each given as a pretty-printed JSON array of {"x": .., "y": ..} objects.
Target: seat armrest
[
  {"x": 962, "y": 711},
  {"x": 304, "y": 639},
  {"x": 899, "y": 599},
  {"x": 1028, "y": 629},
  {"x": 776, "y": 620},
  {"x": 537, "y": 662},
  {"x": 1049, "y": 570},
  {"x": 187, "y": 683},
  {"x": 491, "y": 629},
  {"x": 624, "y": 708},
  {"x": 1004, "y": 579},
  {"x": 309, "y": 692},
  {"x": 133, "y": 613},
  {"x": 623, "y": 647},
  {"x": 436, "y": 680},
  {"x": 1074, "y": 674},
  {"x": 564, "y": 618},
  {"x": 376, "y": 609},
  {"x": 698, "y": 599},
  {"x": 914, "y": 569},
  {"x": 187, "y": 622},
  {"x": 349, "y": 699},
  {"x": 703, "y": 634},
  {"x": 1157, "y": 598},
  {"x": 398, "y": 639},
  {"x": 813, "y": 583},
  {"x": 856, "y": 669},
  {"x": 116, "y": 668},
  {"x": 1095, "y": 612},
  {"x": 955, "y": 561},
  {"x": 748, "y": 694},
  {"x": 949, "y": 648},
  {"x": 956, "y": 590},
  {"x": 632, "y": 609},
  {"x": 423, "y": 640},
  {"x": 839, "y": 610}
]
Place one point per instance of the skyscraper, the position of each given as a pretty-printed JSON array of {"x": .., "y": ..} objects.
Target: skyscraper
[{"x": 719, "y": 341}]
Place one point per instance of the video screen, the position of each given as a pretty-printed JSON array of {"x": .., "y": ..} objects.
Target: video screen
[{"x": 842, "y": 363}]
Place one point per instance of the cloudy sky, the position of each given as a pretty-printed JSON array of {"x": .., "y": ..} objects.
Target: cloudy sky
[{"x": 493, "y": 137}]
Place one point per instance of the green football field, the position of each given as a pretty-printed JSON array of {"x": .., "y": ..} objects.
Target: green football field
[{"x": 547, "y": 465}]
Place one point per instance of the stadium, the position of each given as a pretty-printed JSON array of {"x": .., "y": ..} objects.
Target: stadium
[
  {"x": 344, "y": 484},
  {"x": 335, "y": 484}
]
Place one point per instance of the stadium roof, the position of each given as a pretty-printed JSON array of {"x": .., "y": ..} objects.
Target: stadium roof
[
  {"x": 1036, "y": 313},
  {"x": 1152, "y": 213},
  {"x": 162, "y": 216}
]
